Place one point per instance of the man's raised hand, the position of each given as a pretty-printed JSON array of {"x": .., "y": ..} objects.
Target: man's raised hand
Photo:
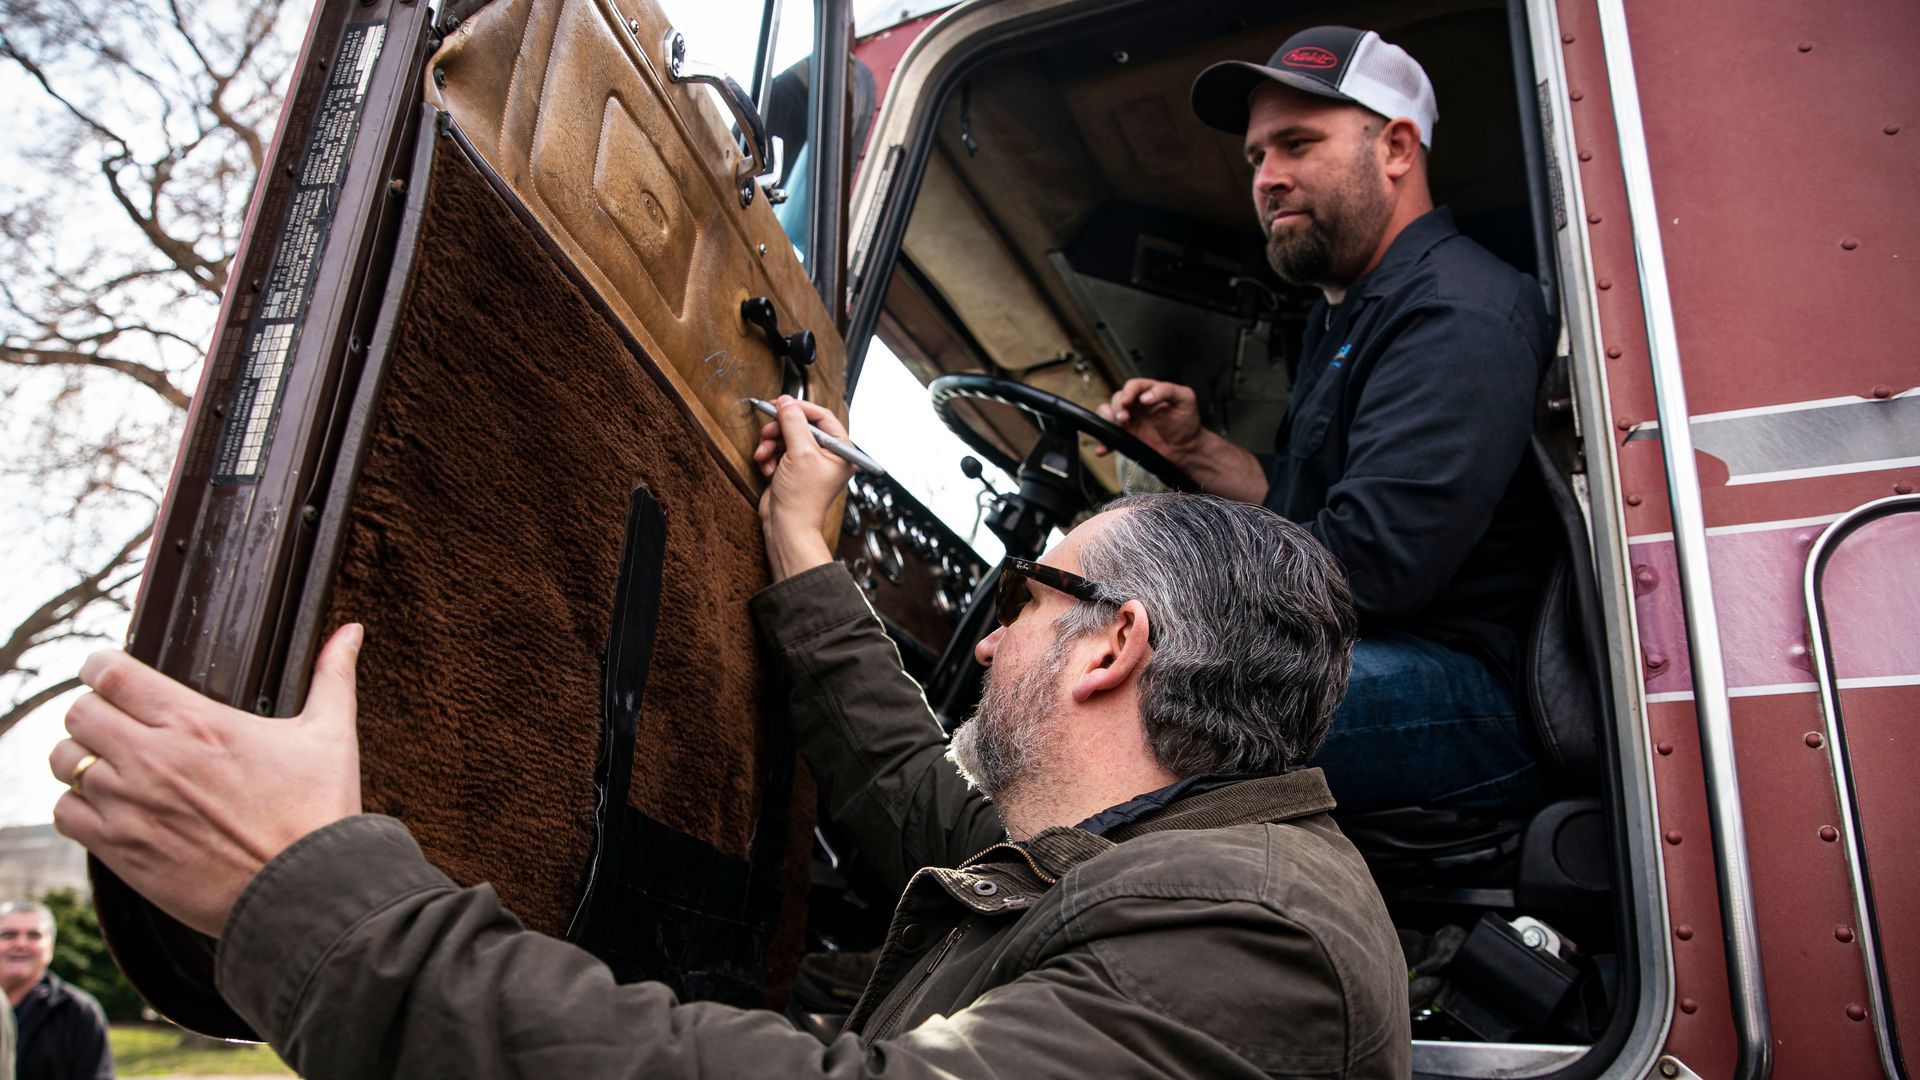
[
  {"x": 1164, "y": 415},
  {"x": 803, "y": 480},
  {"x": 185, "y": 798}
]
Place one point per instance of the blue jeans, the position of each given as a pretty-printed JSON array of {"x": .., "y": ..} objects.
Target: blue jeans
[{"x": 1424, "y": 725}]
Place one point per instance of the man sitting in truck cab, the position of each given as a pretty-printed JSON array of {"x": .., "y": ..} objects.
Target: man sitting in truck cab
[
  {"x": 1408, "y": 423},
  {"x": 1155, "y": 888}
]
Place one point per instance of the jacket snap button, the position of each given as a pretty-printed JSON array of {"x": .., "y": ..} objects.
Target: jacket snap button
[
  {"x": 985, "y": 888},
  {"x": 912, "y": 936}
]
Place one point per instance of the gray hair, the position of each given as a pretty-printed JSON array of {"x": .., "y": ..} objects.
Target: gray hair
[
  {"x": 1251, "y": 623},
  {"x": 15, "y": 907}
]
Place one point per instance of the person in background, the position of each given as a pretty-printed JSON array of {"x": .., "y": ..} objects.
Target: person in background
[{"x": 62, "y": 1030}]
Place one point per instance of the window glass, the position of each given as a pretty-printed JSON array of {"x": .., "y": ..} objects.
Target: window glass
[
  {"x": 726, "y": 34},
  {"x": 720, "y": 33},
  {"x": 892, "y": 418},
  {"x": 788, "y": 103}
]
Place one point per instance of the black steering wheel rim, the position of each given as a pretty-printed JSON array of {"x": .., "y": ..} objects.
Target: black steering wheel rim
[{"x": 1052, "y": 414}]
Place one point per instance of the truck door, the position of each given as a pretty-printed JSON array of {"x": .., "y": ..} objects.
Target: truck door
[{"x": 479, "y": 385}]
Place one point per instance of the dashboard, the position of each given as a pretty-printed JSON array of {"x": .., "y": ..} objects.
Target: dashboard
[{"x": 917, "y": 573}]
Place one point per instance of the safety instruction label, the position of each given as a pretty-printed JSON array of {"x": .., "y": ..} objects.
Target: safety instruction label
[{"x": 288, "y": 288}]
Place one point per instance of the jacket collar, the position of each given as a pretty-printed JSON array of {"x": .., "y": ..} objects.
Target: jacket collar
[
  {"x": 1263, "y": 799},
  {"x": 50, "y": 990},
  {"x": 1421, "y": 235},
  {"x": 1141, "y": 805},
  {"x": 1051, "y": 853}
]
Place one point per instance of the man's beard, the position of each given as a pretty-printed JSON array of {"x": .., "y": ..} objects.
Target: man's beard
[
  {"x": 1338, "y": 234},
  {"x": 1009, "y": 740}
]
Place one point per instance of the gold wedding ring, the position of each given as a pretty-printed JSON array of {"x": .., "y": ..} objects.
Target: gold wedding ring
[{"x": 80, "y": 770}]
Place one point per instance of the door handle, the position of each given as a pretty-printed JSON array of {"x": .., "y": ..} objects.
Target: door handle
[
  {"x": 752, "y": 129},
  {"x": 795, "y": 351}
]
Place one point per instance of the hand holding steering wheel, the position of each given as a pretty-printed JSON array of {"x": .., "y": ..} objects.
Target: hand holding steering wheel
[{"x": 1052, "y": 414}]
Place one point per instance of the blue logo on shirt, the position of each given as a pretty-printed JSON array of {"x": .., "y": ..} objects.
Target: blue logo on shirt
[{"x": 1341, "y": 356}]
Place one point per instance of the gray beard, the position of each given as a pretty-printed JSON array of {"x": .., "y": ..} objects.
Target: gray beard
[{"x": 1007, "y": 742}]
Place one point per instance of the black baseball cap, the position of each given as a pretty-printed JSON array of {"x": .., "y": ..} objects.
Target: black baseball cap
[{"x": 1337, "y": 62}]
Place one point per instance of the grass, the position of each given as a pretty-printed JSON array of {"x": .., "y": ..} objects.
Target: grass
[{"x": 156, "y": 1050}]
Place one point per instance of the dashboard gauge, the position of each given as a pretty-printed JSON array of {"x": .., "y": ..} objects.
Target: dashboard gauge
[{"x": 886, "y": 557}]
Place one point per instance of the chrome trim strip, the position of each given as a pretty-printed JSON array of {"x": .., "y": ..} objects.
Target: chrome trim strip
[
  {"x": 831, "y": 101},
  {"x": 1837, "y": 755},
  {"x": 1741, "y": 936},
  {"x": 1517, "y": 1060},
  {"x": 1580, "y": 319},
  {"x": 763, "y": 72}
]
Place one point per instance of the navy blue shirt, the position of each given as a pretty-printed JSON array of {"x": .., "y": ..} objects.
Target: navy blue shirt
[{"x": 1404, "y": 438}]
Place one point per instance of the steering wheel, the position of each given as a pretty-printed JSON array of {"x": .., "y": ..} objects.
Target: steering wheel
[{"x": 1052, "y": 414}]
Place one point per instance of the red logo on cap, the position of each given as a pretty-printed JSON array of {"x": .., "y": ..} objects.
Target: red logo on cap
[{"x": 1310, "y": 56}]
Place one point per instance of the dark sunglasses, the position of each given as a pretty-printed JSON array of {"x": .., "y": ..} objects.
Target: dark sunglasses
[{"x": 1014, "y": 591}]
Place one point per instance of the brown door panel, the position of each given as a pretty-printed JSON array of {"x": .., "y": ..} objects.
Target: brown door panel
[
  {"x": 632, "y": 176},
  {"x": 514, "y": 324}
]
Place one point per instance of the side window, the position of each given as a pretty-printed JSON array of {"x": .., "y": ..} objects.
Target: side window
[
  {"x": 786, "y": 96},
  {"x": 767, "y": 48},
  {"x": 892, "y": 418}
]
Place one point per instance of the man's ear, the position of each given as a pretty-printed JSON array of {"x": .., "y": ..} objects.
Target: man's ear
[
  {"x": 1121, "y": 654},
  {"x": 1402, "y": 142}
]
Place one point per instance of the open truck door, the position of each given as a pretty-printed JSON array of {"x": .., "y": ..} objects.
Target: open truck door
[{"x": 478, "y": 384}]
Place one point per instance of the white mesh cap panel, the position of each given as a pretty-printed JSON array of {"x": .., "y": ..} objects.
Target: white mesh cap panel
[{"x": 1384, "y": 78}]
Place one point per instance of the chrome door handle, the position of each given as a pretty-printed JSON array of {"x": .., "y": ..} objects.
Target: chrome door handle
[{"x": 752, "y": 128}]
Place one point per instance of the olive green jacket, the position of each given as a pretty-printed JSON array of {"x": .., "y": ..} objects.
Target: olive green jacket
[{"x": 1232, "y": 933}]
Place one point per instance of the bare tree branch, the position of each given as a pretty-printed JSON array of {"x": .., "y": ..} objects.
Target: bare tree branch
[
  {"x": 34, "y": 71},
  {"x": 53, "y": 615},
  {"x": 211, "y": 277},
  {"x": 19, "y": 710},
  {"x": 150, "y": 377},
  {"x": 119, "y": 219},
  {"x": 207, "y": 275}
]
